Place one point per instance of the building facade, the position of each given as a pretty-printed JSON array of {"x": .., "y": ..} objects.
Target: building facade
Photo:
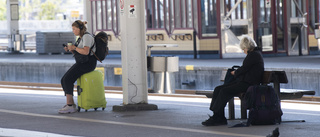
[{"x": 213, "y": 28}]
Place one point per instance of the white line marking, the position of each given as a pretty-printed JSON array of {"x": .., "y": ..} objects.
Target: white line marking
[
  {"x": 296, "y": 113},
  {"x": 127, "y": 124},
  {"x": 6, "y": 132}
]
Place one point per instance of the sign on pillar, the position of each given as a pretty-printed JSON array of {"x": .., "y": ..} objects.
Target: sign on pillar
[
  {"x": 132, "y": 11},
  {"x": 268, "y": 3},
  {"x": 133, "y": 57},
  {"x": 13, "y": 25}
]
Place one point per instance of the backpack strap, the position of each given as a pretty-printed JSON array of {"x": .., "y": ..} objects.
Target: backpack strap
[
  {"x": 94, "y": 43},
  {"x": 96, "y": 56},
  {"x": 95, "y": 53}
]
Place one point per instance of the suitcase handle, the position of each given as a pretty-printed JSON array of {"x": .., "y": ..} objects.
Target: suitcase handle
[{"x": 79, "y": 90}]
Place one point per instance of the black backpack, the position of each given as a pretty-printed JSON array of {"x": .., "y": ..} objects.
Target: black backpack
[
  {"x": 101, "y": 43},
  {"x": 264, "y": 105}
]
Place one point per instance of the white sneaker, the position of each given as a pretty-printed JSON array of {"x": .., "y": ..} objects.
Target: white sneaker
[{"x": 68, "y": 109}]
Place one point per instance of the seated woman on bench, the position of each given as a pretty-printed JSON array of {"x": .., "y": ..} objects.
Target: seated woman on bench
[{"x": 250, "y": 73}]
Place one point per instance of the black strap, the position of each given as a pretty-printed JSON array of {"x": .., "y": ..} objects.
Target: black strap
[
  {"x": 94, "y": 43},
  {"x": 77, "y": 42},
  {"x": 79, "y": 39}
]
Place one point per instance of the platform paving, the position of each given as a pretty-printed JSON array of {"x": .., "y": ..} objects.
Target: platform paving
[{"x": 26, "y": 113}]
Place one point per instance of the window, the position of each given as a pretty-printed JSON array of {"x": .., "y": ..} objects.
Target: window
[
  {"x": 177, "y": 13},
  {"x": 169, "y": 14},
  {"x": 161, "y": 14},
  {"x": 109, "y": 15},
  {"x": 189, "y": 14},
  {"x": 99, "y": 15},
  {"x": 155, "y": 14},
  {"x": 105, "y": 15},
  {"x": 195, "y": 15},
  {"x": 149, "y": 13},
  {"x": 172, "y": 15},
  {"x": 313, "y": 15},
  {"x": 183, "y": 14},
  {"x": 295, "y": 8},
  {"x": 94, "y": 17},
  {"x": 114, "y": 16},
  {"x": 155, "y": 11},
  {"x": 208, "y": 18}
]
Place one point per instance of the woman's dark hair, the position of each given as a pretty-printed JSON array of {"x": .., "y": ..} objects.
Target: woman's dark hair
[{"x": 81, "y": 25}]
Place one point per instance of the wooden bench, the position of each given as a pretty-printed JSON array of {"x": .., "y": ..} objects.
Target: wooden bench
[{"x": 275, "y": 77}]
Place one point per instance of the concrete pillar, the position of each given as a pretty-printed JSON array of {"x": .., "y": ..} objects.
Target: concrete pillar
[
  {"x": 133, "y": 56},
  {"x": 12, "y": 24},
  {"x": 87, "y": 14}
]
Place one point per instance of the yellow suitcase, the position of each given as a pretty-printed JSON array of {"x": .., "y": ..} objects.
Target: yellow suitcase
[{"x": 91, "y": 91}]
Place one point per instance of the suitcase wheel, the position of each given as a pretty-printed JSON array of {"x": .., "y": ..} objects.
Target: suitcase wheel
[{"x": 79, "y": 108}]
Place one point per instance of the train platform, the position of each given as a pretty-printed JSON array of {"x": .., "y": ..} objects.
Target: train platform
[
  {"x": 30, "y": 112},
  {"x": 33, "y": 112}
]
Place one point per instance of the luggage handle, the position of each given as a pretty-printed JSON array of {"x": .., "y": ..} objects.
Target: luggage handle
[
  {"x": 235, "y": 67},
  {"x": 79, "y": 90}
]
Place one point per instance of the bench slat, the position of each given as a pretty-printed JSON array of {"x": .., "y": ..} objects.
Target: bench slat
[{"x": 284, "y": 93}]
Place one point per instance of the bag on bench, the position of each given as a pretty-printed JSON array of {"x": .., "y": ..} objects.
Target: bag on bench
[
  {"x": 264, "y": 105},
  {"x": 229, "y": 77}
]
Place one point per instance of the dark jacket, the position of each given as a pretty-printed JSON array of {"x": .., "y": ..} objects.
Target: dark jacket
[{"x": 252, "y": 68}]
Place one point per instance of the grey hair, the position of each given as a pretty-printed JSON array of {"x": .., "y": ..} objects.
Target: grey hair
[{"x": 247, "y": 43}]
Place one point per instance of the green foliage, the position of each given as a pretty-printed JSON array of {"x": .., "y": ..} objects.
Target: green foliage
[
  {"x": 3, "y": 9},
  {"x": 49, "y": 9},
  {"x": 27, "y": 7},
  {"x": 34, "y": 9}
]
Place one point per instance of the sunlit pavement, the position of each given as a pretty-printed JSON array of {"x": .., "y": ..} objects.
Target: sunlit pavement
[{"x": 33, "y": 113}]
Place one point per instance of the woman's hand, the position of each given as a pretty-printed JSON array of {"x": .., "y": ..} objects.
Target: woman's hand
[
  {"x": 65, "y": 48},
  {"x": 232, "y": 72},
  {"x": 72, "y": 47}
]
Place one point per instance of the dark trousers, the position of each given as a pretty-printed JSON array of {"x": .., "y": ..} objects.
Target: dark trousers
[
  {"x": 75, "y": 72},
  {"x": 223, "y": 93}
]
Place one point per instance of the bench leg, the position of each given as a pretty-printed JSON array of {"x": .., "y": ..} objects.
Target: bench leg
[{"x": 231, "y": 109}]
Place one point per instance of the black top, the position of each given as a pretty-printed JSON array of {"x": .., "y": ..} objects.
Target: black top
[{"x": 252, "y": 68}]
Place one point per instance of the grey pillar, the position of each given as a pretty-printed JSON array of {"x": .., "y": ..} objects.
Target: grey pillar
[
  {"x": 133, "y": 56},
  {"x": 13, "y": 24},
  {"x": 87, "y": 14}
]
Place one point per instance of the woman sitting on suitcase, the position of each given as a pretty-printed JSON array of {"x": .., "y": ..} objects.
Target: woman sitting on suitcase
[
  {"x": 250, "y": 73},
  {"x": 81, "y": 47}
]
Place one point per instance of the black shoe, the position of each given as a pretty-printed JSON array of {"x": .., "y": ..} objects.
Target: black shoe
[
  {"x": 215, "y": 121},
  {"x": 275, "y": 133},
  {"x": 211, "y": 119}
]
